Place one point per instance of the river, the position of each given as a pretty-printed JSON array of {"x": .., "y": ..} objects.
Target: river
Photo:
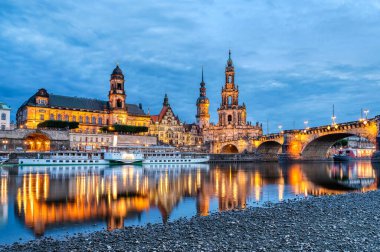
[{"x": 57, "y": 201}]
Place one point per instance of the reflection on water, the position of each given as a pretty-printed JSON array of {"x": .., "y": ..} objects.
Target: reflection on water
[{"x": 36, "y": 201}]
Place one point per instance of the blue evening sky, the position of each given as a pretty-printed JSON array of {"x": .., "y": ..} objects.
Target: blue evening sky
[{"x": 293, "y": 59}]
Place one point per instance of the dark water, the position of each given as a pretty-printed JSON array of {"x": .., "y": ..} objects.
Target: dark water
[{"x": 59, "y": 201}]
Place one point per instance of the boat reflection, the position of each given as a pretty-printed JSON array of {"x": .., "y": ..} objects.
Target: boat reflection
[{"x": 47, "y": 197}]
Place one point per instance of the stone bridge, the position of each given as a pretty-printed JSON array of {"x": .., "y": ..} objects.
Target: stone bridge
[{"x": 302, "y": 144}]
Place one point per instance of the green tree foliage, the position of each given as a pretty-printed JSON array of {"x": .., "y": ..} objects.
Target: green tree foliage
[
  {"x": 57, "y": 124},
  {"x": 128, "y": 129},
  {"x": 341, "y": 143}
]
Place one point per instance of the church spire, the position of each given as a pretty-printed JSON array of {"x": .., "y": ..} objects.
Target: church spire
[
  {"x": 203, "y": 117},
  {"x": 166, "y": 101},
  {"x": 229, "y": 61},
  {"x": 202, "y": 76},
  {"x": 203, "y": 88}
]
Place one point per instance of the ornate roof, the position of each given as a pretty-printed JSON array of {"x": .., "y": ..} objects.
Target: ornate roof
[
  {"x": 230, "y": 64},
  {"x": 42, "y": 93},
  {"x": 117, "y": 70},
  {"x": 4, "y": 106},
  {"x": 158, "y": 118},
  {"x": 69, "y": 102}
]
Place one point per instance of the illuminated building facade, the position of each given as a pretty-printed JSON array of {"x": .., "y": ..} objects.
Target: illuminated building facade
[
  {"x": 203, "y": 103},
  {"x": 232, "y": 123},
  {"x": 170, "y": 130},
  {"x": 5, "y": 116},
  {"x": 91, "y": 114}
]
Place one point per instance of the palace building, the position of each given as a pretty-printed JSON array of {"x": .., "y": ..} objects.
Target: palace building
[
  {"x": 91, "y": 114},
  {"x": 170, "y": 130},
  {"x": 232, "y": 123}
]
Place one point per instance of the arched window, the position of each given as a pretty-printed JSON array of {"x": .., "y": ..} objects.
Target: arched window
[
  {"x": 119, "y": 86},
  {"x": 59, "y": 117},
  {"x": 229, "y": 100},
  {"x": 230, "y": 79},
  {"x": 100, "y": 121},
  {"x": 87, "y": 119},
  {"x": 66, "y": 118},
  {"x": 119, "y": 103},
  {"x": 51, "y": 116},
  {"x": 93, "y": 120},
  {"x": 3, "y": 116},
  {"x": 229, "y": 118},
  {"x": 74, "y": 118},
  {"x": 81, "y": 119}
]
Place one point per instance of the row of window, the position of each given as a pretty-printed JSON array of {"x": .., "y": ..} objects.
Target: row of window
[
  {"x": 91, "y": 139},
  {"x": 80, "y": 119}
]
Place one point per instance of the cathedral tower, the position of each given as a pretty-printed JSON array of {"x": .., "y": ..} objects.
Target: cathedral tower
[
  {"x": 203, "y": 117},
  {"x": 230, "y": 113},
  {"x": 117, "y": 94}
]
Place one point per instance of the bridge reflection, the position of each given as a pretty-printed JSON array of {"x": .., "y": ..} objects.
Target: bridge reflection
[{"x": 47, "y": 197}]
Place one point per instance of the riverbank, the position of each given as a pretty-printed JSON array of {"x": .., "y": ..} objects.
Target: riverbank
[{"x": 348, "y": 222}]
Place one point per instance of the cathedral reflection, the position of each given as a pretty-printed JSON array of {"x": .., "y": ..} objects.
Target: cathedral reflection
[{"x": 54, "y": 196}]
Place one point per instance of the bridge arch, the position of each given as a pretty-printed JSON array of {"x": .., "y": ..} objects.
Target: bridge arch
[
  {"x": 318, "y": 147},
  {"x": 229, "y": 148},
  {"x": 269, "y": 147}
]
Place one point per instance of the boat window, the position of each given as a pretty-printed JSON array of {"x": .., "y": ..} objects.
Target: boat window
[
  {"x": 61, "y": 161},
  {"x": 67, "y": 161},
  {"x": 47, "y": 161},
  {"x": 54, "y": 161}
]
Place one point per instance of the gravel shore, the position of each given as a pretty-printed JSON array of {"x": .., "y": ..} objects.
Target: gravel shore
[{"x": 348, "y": 222}]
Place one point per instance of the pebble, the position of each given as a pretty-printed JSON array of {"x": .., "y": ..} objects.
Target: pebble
[{"x": 348, "y": 222}]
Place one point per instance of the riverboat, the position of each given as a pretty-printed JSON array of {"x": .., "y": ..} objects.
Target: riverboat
[
  {"x": 66, "y": 158},
  {"x": 174, "y": 158},
  {"x": 175, "y": 166},
  {"x": 124, "y": 157},
  {"x": 351, "y": 154}
]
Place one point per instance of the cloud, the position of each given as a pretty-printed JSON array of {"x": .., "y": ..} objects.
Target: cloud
[{"x": 293, "y": 60}]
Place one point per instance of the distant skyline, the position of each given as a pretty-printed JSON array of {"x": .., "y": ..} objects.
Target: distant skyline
[{"x": 293, "y": 59}]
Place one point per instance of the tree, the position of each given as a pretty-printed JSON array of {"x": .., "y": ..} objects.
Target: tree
[
  {"x": 57, "y": 124},
  {"x": 129, "y": 129}
]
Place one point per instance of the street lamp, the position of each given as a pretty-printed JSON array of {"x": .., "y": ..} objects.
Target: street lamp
[
  {"x": 306, "y": 122},
  {"x": 5, "y": 142},
  {"x": 279, "y": 127}
]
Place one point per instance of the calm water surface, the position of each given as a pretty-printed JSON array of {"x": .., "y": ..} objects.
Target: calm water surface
[{"x": 64, "y": 200}]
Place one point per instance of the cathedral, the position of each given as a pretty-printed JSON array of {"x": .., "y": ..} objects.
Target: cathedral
[
  {"x": 232, "y": 118},
  {"x": 91, "y": 114}
]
